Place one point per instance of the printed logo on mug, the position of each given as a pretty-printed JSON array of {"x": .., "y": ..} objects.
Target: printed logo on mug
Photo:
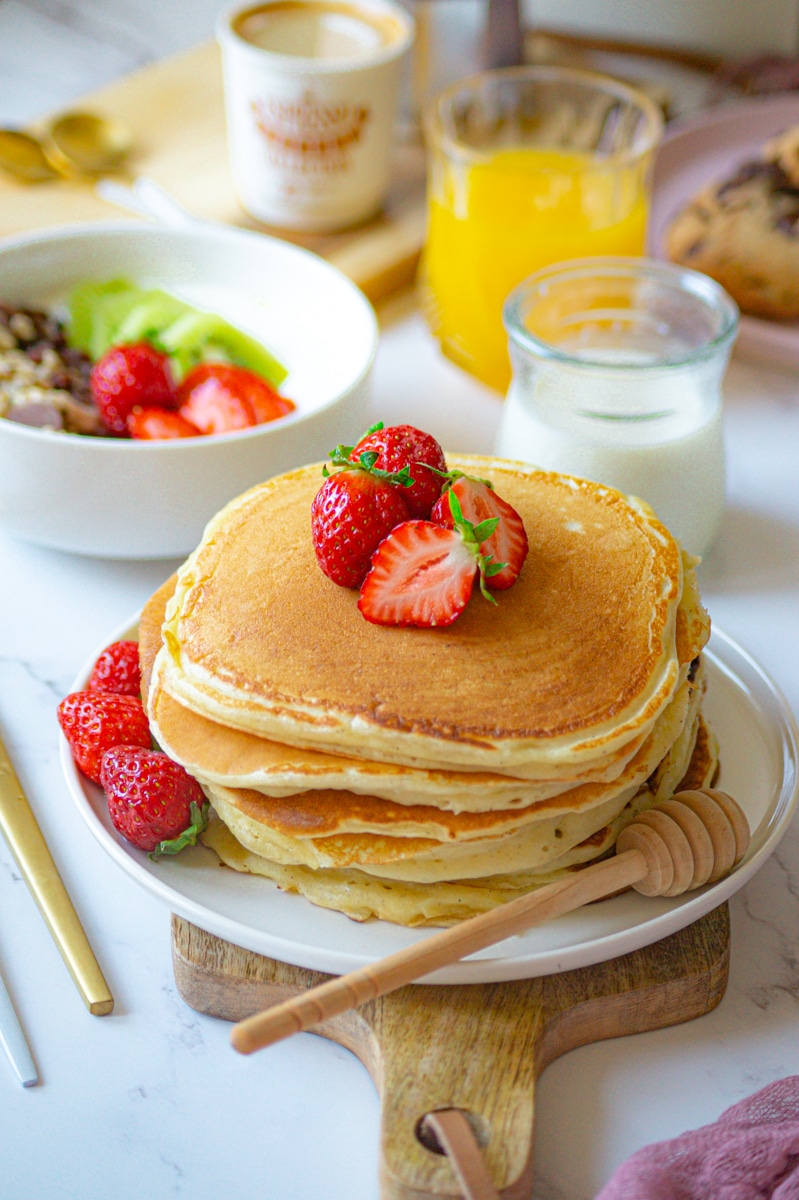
[{"x": 311, "y": 89}]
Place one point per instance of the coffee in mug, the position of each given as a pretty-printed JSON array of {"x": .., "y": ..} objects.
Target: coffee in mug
[{"x": 311, "y": 89}]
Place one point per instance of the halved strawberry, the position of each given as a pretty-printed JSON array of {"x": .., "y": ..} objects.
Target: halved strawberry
[
  {"x": 479, "y": 502},
  {"x": 423, "y": 574}
]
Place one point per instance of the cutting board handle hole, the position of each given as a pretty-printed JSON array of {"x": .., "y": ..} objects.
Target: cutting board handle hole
[{"x": 427, "y": 1136}]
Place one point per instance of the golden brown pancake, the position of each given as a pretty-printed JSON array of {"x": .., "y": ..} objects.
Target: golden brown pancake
[
  {"x": 334, "y": 829},
  {"x": 362, "y": 896},
  {"x": 573, "y": 664},
  {"x": 233, "y": 758},
  {"x": 423, "y": 775}
]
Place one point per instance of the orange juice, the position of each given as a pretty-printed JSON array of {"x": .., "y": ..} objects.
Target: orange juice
[{"x": 494, "y": 221}]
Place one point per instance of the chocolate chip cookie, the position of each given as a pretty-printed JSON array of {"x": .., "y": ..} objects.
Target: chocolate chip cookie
[{"x": 744, "y": 232}]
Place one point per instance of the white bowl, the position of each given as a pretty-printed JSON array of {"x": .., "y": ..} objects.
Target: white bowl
[{"x": 119, "y": 498}]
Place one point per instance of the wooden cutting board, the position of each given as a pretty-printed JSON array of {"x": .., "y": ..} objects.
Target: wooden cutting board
[
  {"x": 478, "y": 1048},
  {"x": 175, "y": 110}
]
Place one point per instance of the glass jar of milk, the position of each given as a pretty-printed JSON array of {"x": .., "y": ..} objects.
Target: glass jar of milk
[{"x": 617, "y": 370}]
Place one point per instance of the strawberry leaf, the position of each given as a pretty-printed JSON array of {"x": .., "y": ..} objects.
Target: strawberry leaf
[
  {"x": 451, "y": 477},
  {"x": 483, "y": 531},
  {"x": 340, "y": 458},
  {"x": 199, "y": 820}
]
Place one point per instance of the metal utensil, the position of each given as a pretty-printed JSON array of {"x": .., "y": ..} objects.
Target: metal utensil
[
  {"x": 26, "y": 842},
  {"x": 23, "y": 156},
  {"x": 88, "y": 143},
  {"x": 14, "y": 1042},
  {"x": 73, "y": 145}
]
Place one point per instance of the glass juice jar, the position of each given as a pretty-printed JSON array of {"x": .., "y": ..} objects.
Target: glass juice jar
[
  {"x": 527, "y": 166},
  {"x": 617, "y": 371}
]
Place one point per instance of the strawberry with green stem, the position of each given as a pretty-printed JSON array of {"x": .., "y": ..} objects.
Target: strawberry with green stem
[
  {"x": 478, "y": 502},
  {"x": 355, "y": 508},
  {"x": 153, "y": 802},
  {"x": 396, "y": 448}
]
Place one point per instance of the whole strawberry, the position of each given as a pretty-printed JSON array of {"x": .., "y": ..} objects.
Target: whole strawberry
[
  {"x": 350, "y": 515},
  {"x": 404, "y": 446},
  {"x": 478, "y": 501},
  {"x": 127, "y": 376},
  {"x": 117, "y": 670},
  {"x": 151, "y": 799},
  {"x": 93, "y": 722}
]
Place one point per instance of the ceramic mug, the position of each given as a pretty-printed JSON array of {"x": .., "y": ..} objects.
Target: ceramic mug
[{"x": 311, "y": 94}]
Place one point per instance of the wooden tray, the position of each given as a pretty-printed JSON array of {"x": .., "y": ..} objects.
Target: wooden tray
[
  {"x": 176, "y": 113},
  {"x": 478, "y": 1047}
]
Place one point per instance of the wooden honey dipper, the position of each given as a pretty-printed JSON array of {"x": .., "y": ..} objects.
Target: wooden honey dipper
[{"x": 692, "y": 839}]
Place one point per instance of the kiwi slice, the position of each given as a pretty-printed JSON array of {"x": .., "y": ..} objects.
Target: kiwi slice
[
  {"x": 94, "y": 311},
  {"x": 117, "y": 312},
  {"x": 197, "y": 337},
  {"x": 149, "y": 316}
]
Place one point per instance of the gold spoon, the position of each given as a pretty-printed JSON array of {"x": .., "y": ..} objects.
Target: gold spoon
[
  {"x": 77, "y": 143},
  {"x": 22, "y": 156},
  {"x": 89, "y": 143}
]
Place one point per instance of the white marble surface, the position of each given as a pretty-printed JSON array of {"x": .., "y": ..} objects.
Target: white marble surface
[{"x": 151, "y": 1101}]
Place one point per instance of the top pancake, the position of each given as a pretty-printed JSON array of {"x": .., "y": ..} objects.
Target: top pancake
[{"x": 576, "y": 661}]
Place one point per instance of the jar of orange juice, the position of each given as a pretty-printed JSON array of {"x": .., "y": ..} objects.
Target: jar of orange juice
[{"x": 527, "y": 166}]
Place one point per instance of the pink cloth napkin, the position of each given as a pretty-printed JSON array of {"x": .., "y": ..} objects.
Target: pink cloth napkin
[{"x": 750, "y": 1153}]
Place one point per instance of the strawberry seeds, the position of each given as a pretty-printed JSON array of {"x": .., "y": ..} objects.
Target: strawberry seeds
[{"x": 412, "y": 571}]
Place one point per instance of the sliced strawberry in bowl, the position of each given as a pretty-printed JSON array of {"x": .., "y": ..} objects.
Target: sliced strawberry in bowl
[
  {"x": 159, "y": 424},
  {"x": 478, "y": 501},
  {"x": 221, "y": 398},
  {"x": 127, "y": 376}
]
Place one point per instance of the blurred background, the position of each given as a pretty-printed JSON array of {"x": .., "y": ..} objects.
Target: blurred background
[{"x": 52, "y": 51}]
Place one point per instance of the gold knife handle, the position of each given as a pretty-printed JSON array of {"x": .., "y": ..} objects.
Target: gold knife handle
[{"x": 26, "y": 842}]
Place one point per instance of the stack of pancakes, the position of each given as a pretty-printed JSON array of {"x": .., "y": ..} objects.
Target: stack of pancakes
[{"x": 425, "y": 775}]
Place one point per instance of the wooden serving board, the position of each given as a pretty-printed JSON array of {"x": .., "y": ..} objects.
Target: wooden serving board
[
  {"x": 175, "y": 110},
  {"x": 479, "y": 1047}
]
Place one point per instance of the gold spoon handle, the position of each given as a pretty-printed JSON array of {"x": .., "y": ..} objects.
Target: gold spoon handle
[{"x": 26, "y": 842}]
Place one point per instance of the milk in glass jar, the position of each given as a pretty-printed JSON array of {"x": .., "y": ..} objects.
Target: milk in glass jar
[{"x": 617, "y": 372}]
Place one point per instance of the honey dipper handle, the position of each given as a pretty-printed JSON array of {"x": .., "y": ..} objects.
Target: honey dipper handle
[{"x": 449, "y": 946}]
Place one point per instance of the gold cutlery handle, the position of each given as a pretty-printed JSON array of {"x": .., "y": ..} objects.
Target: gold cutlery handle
[{"x": 26, "y": 842}]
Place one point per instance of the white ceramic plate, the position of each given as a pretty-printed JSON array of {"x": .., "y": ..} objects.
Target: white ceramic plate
[
  {"x": 707, "y": 147},
  {"x": 758, "y": 740}
]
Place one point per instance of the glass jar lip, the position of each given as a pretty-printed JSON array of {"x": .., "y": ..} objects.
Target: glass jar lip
[
  {"x": 616, "y": 267},
  {"x": 435, "y": 123}
]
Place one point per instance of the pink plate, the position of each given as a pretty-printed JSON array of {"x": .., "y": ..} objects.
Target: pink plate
[{"x": 705, "y": 147}]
